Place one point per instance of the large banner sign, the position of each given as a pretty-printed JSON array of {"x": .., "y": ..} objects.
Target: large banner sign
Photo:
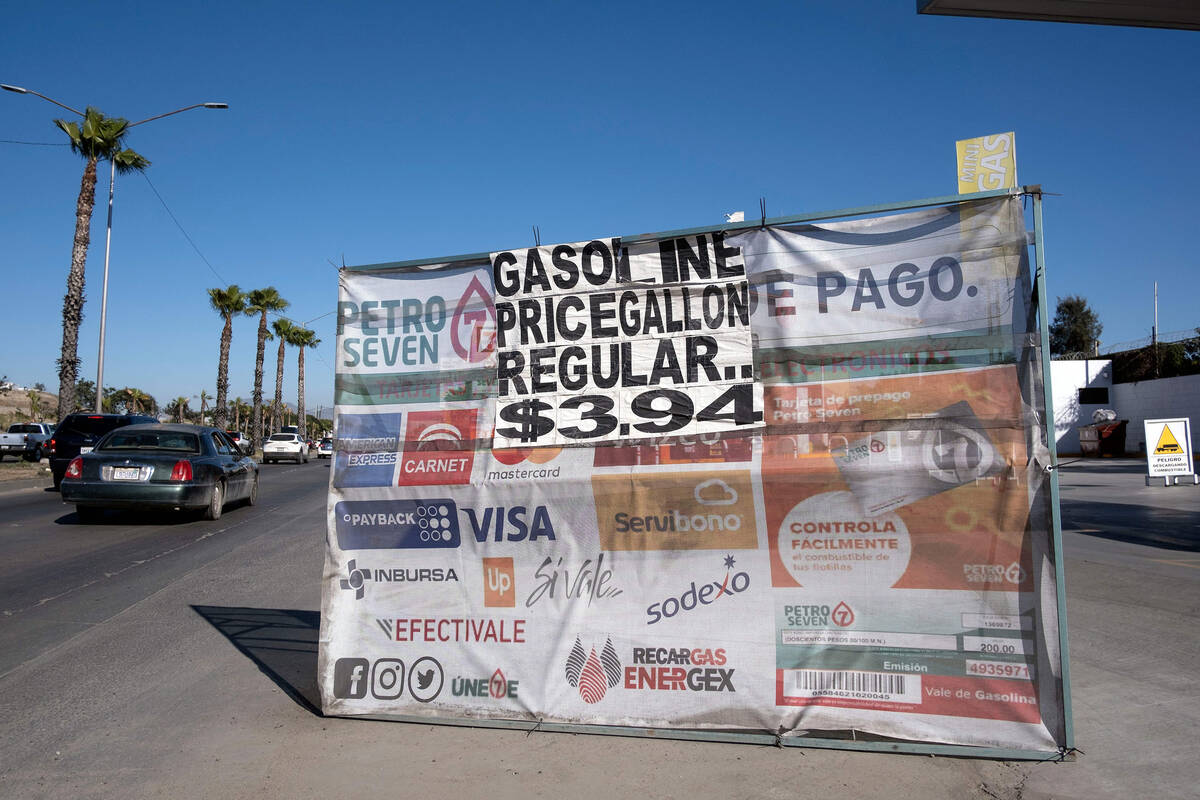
[{"x": 784, "y": 480}]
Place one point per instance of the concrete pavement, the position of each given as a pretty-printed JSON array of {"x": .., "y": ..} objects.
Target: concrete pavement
[{"x": 206, "y": 688}]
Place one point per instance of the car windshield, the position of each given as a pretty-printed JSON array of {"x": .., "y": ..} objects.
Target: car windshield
[
  {"x": 283, "y": 437},
  {"x": 152, "y": 440},
  {"x": 94, "y": 425}
]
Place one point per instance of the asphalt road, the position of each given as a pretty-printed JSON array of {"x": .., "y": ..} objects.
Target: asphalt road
[{"x": 152, "y": 657}]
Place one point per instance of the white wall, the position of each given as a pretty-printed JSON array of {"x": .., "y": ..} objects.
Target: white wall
[
  {"x": 1066, "y": 379},
  {"x": 1157, "y": 399}
]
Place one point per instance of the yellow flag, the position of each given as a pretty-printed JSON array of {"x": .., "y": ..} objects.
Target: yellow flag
[{"x": 987, "y": 162}]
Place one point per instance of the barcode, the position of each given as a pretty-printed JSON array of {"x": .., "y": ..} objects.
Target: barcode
[
  {"x": 831, "y": 684},
  {"x": 877, "y": 683}
]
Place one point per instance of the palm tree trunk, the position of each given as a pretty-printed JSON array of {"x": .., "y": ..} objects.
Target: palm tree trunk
[
  {"x": 68, "y": 362},
  {"x": 277, "y": 406},
  {"x": 257, "y": 422},
  {"x": 300, "y": 399},
  {"x": 220, "y": 413}
]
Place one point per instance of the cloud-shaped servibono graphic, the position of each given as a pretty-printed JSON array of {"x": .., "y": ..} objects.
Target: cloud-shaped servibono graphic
[{"x": 727, "y": 494}]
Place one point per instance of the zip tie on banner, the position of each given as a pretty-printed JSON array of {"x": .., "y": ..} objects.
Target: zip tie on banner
[
  {"x": 529, "y": 732},
  {"x": 1051, "y": 467},
  {"x": 1062, "y": 754}
]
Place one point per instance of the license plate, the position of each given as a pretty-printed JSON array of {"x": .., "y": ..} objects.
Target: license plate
[
  {"x": 126, "y": 473},
  {"x": 83, "y": 450}
]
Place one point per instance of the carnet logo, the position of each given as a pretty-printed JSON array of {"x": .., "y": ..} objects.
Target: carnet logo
[
  {"x": 676, "y": 511},
  {"x": 366, "y": 449},
  {"x": 438, "y": 448},
  {"x": 396, "y": 524},
  {"x": 593, "y": 676}
]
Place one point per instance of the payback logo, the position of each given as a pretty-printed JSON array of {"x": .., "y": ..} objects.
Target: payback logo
[{"x": 593, "y": 676}]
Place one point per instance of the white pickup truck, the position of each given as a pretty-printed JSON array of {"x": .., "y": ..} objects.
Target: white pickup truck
[{"x": 26, "y": 440}]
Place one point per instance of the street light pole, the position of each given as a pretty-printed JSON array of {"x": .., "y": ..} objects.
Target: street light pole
[{"x": 112, "y": 178}]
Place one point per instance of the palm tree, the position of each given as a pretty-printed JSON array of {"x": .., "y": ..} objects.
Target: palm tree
[
  {"x": 204, "y": 398},
  {"x": 97, "y": 138},
  {"x": 304, "y": 338},
  {"x": 178, "y": 407},
  {"x": 260, "y": 301},
  {"x": 225, "y": 302},
  {"x": 284, "y": 329},
  {"x": 238, "y": 404}
]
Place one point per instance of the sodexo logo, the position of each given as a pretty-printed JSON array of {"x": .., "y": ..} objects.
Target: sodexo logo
[
  {"x": 396, "y": 524},
  {"x": 676, "y": 511},
  {"x": 366, "y": 450},
  {"x": 707, "y": 593}
]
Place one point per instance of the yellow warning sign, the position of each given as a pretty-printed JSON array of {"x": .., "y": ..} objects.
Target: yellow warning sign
[{"x": 1167, "y": 443}]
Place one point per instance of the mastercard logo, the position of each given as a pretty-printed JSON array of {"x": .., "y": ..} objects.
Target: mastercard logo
[{"x": 534, "y": 455}]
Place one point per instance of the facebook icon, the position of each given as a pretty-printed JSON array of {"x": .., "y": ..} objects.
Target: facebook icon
[{"x": 350, "y": 678}]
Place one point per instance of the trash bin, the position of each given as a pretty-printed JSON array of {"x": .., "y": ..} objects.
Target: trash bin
[
  {"x": 1089, "y": 440},
  {"x": 1112, "y": 438},
  {"x": 1103, "y": 439}
]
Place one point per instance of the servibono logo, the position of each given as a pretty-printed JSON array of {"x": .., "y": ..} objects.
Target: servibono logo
[
  {"x": 676, "y": 511},
  {"x": 693, "y": 597}
]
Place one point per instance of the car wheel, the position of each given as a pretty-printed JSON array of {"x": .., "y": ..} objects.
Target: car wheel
[
  {"x": 252, "y": 498},
  {"x": 88, "y": 514},
  {"x": 38, "y": 453},
  {"x": 216, "y": 503},
  {"x": 306, "y": 458}
]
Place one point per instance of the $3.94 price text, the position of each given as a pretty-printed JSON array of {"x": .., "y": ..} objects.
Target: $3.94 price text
[{"x": 627, "y": 414}]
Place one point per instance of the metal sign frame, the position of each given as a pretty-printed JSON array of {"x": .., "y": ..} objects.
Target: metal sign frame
[{"x": 872, "y": 743}]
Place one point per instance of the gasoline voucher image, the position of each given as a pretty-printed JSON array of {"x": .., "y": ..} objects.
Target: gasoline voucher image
[{"x": 903, "y": 491}]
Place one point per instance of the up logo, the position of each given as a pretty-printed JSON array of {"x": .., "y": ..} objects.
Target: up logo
[
  {"x": 676, "y": 511},
  {"x": 499, "y": 585}
]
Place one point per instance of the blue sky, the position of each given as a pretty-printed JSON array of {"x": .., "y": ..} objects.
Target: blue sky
[{"x": 387, "y": 131}]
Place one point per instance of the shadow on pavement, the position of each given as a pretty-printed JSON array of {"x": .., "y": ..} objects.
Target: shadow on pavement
[
  {"x": 1170, "y": 529},
  {"x": 281, "y": 642}
]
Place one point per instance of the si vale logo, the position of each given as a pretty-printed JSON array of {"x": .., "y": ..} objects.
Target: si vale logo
[
  {"x": 692, "y": 598},
  {"x": 593, "y": 676}
]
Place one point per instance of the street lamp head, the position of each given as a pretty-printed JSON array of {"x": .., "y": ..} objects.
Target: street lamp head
[
  {"x": 16, "y": 89},
  {"x": 216, "y": 105}
]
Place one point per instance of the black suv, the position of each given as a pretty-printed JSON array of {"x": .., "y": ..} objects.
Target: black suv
[{"x": 78, "y": 431}]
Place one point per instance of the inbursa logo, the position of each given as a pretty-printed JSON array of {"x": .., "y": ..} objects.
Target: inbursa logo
[
  {"x": 366, "y": 449},
  {"x": 396, "y": 524}
]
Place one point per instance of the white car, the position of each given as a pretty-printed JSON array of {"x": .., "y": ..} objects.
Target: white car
[{"x": 285, "y": 447}]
